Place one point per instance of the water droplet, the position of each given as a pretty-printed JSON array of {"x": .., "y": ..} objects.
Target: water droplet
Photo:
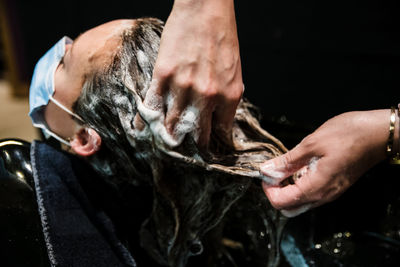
[
  {"x": 196, "y": 248},
  {"x": 282, "y": 119}
]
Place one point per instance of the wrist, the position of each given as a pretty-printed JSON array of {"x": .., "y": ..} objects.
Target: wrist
[
  {"x": 201, "y": 2},
  {"x": 207, "y": 7},
  {"x": 375, "y": 128}
]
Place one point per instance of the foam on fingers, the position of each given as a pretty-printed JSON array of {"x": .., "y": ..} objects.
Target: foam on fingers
[
  {"x": 273, "y": 175},
  {"x": 153, "y": 114}
]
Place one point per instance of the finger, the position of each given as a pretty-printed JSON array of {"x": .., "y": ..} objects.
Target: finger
[
  {"x": 223, "y": 119},
  {"x": 175, "y": 106},
  {"x": 138, "y": 123},
  {"x": 284, "y": 197},
  {"x": 202, "y": 135},
  {"x": 305, "y": 190},
  {"x": 152, "y": 112},
  {"x": 284, "y": 166},
  {"x": 225, "y": 113},
  {"x": 154, "y": 95}
]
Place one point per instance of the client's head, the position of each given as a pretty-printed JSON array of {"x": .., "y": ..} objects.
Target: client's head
[
  {"x": 60, "y": 75},
  {"x": 101, "y": 79}
]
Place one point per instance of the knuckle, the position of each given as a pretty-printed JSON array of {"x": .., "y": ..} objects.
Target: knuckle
[
  {"x": 184, "y": 83},
  {"x": 208, "y": 90},
  {"x": 285, "y": 163},
  {"x": 233, "y": 97},
  {"x": 163, "y": 72},
  {"x": 334, "y": 193},
  {"x": 232, "y": 94},
  {"x": 238, "y": 91},
  {"x": 309, "y": 142}
]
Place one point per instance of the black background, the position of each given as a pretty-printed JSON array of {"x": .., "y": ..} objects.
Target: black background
[{"x": 303, "y": 61}]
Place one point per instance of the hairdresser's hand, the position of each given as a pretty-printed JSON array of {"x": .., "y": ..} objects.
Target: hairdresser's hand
[
  {"x": 328, "y": 161},
  {"x": 197, "y": 74}
]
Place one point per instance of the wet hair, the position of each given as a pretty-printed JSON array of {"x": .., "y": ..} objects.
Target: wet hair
[{"x": 196, "y": 194}]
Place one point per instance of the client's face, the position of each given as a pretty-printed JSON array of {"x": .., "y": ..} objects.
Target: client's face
[{"x": 92, "y": 50}]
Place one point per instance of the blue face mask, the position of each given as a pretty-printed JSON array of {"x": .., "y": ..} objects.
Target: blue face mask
[{"x": 42, "y": 88}]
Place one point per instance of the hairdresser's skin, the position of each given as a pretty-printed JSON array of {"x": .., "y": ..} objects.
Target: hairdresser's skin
[
  {"x": 199, "y": 64},
  {"x": 329, "y": 160}
]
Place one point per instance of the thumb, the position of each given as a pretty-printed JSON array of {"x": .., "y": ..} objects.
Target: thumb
[{"x": 278, "y": 169}]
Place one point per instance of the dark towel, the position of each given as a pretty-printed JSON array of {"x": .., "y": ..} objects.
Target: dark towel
[{"x": 76, "y": 234}]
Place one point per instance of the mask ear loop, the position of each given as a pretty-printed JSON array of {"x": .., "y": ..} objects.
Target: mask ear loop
[
  {"x": 62, "y": 140},
  {"x": 58, "y": 138},
  {"x": 65, "y": 108}
]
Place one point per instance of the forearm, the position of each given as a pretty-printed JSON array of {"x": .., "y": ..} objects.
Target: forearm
[
  {"x": 209, "y": 13},
  {"x": 208, "y": 26}
]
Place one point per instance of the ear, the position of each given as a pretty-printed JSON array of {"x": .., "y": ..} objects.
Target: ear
[{"x": 86, "y": 142}]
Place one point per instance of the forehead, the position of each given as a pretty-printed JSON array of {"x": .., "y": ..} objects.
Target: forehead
[
  {"x": 90, "y": 52},
  {"x": 98, "y": 45}
]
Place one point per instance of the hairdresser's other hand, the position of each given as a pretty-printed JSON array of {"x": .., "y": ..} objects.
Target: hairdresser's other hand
[
  {"x": 327, "y": 162},
  {"x": 198, "y": 66}
]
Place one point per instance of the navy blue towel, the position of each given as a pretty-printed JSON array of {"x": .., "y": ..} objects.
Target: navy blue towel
[{"x": 76, "y": 234}]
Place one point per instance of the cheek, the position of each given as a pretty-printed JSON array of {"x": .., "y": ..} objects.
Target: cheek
[
  {"x": 59, "y": 121},
  {"x": 68, "y": 83}
]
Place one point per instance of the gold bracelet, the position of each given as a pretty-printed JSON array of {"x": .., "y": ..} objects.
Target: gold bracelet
[
  {"x": 394, "y": 157},
  {"x": 389, "y": 147}
]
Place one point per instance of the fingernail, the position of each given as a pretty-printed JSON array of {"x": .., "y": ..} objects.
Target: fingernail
[
  {"x": 267, "y": 166},
  {"x": 269, "y": 170},
  {"x": 138, "y": 123}
]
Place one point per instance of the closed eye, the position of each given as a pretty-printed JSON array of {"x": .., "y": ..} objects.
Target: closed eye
[{"x": 62, "y": 61}]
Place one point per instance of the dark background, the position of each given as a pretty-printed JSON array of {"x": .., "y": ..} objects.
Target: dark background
[{"x": 303, "y": 61}]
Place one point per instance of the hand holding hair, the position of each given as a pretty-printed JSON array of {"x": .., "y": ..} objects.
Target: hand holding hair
[
  {"x": 197, "y": 78},
  {"x": 328, "y": 161}
]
